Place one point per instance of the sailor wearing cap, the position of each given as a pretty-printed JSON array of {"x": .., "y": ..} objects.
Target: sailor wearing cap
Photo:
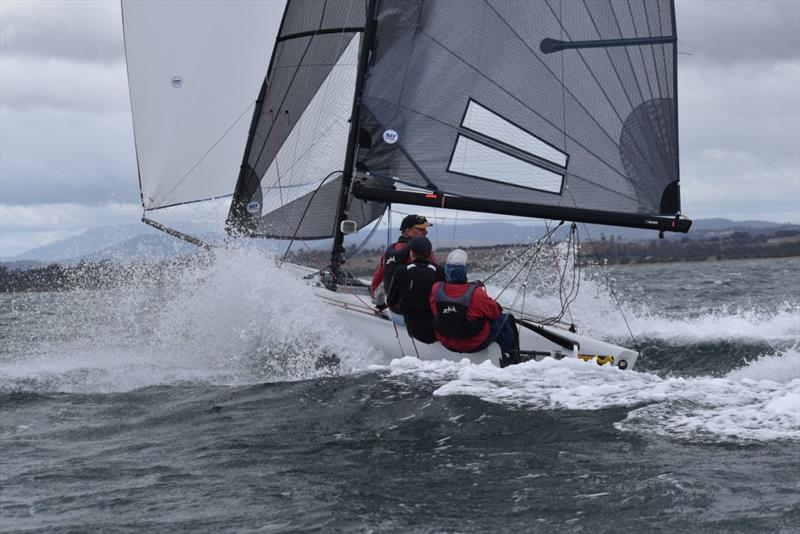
[
  {"x": 410, "y": 290},
  {"x": 397, "y": 254}
]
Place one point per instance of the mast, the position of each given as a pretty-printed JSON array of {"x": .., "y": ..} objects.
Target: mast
[{"x": 347, "y": 177}]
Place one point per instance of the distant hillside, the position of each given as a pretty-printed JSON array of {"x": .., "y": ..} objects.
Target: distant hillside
[
  {"x": 139, "y": 242},
  {"x": 121, "y": 243},
  {"x": 83, "y": 244}
]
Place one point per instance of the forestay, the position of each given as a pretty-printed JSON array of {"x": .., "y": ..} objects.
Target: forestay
[
  {"x": 194, "y": 69},
  {"x": 549, "y": 108}
]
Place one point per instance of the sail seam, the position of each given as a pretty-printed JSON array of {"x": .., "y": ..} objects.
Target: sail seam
[
  {"x": 659, "y": 152},
  {"x": 203, "y": 157},
  {"x": 526, "y": 106},
  {"x": 599, "y": 85},
  {"x": 619, "y": 78},
  {"x": 299, "y": 35},
  {"x": 580, "y": 104},
  {"x": 641, "y": 50},
  {"x": 270, "y": 131}
]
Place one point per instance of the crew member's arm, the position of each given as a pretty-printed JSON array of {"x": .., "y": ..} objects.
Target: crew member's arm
[
  {"x": 483, "y": 305},
  {"x": 377, "y": 278},
  {"x": 397, "y": 286}
]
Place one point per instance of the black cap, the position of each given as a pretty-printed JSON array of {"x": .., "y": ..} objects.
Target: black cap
[
  {"x": 413, "y": 220},
  {"x": 420, "y": 245}
]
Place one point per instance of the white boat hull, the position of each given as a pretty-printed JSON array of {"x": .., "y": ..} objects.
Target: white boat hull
[{"x": 357, "y": 311}]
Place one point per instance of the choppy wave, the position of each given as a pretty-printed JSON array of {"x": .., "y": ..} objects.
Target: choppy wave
[
  {"x": 596, "y": 312},
  {"x": 760, "y": 401},
  {"x": 238, "y": 319}
]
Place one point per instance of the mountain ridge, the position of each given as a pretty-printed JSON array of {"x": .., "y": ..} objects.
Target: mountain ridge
[{"x": 138, "y": 242}]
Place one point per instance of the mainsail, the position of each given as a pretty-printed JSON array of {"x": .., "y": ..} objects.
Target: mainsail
[{"x": 549, "y": 108}]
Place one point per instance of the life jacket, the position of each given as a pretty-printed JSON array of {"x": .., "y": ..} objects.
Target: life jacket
[
  {"x": 392, "y": 258},
  {"x": 451, "y": 314},
  {"x": 420, "y": 278}
]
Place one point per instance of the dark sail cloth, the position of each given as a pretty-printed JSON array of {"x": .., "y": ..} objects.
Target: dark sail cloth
[{"x": 410, "y": 292}]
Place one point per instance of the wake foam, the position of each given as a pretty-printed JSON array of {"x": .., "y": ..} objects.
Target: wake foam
[
  {"x": 597, "y": 314},
  {"x": 758, "y": 402}
]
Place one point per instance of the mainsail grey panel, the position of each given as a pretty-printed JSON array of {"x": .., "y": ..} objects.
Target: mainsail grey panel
[
  {"x": 310, "y": 216},
  {"x": 300, "y": 127},
  {"x": 607, "y": 113}
]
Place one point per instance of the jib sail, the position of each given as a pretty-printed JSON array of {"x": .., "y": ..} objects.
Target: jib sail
[
  {"x": 290, "y": 179},
  {"x": 194, "y": 69}
]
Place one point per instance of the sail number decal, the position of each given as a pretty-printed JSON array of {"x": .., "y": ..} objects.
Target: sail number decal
[{"x": 390, "y": 137}]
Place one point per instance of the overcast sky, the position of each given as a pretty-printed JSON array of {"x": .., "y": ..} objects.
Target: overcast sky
[{"x": 67, "y": 159}]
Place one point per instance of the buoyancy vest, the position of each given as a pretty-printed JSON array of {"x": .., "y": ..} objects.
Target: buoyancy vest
[
  {"x": 420, "y": 278},
  {"x": 392, "y": 258},
  {"x": 451, "y": 314}
]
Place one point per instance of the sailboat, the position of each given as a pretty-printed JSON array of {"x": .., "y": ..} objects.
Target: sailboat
[{"x": 549, "y": 109}]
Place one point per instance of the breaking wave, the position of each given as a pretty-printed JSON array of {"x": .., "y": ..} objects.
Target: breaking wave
[{"x": 760, "y": 401}]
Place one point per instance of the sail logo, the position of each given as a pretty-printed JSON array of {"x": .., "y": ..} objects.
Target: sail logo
[
  {"x": 253, "y": 207},
  {"x": 177, "y": 82},
  {"x": 450, "y": 309},
  {"x": 390, "y": 137}
]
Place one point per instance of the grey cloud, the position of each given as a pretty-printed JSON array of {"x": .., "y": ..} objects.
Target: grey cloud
[
  {"x": 63, "y": 84},
  {"x": 741, "y": 109},
  {"x": 739, "y": 31},
  {"x": 50, "y": 156},
  {"x": 89, "y": 31}
]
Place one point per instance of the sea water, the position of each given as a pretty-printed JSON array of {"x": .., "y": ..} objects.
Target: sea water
[{"x": 197, "y": 402}]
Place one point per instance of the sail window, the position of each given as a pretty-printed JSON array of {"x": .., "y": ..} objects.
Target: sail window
[
  {"x": 478, "y": 160},
  {"x": 484, "y": 121}
]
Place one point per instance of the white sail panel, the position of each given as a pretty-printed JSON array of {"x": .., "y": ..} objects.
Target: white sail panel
[
  {"x": 194, "y": 71},
  {"x": 486, "y": 122},
  {"x": 476, "y": 159},
  {"x": 314, "y": 148}
]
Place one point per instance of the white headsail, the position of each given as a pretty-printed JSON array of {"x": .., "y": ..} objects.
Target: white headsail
[{"x": 194, "y": 71}]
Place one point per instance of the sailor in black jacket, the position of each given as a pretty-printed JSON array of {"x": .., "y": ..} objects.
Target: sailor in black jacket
[{"x": 410, "y": 290}]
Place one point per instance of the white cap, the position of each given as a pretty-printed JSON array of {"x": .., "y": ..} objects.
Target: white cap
[{"x": 457, "y": 257}]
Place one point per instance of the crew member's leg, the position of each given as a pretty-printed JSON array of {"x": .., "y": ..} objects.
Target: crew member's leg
[{"x": 397, "y": 318}]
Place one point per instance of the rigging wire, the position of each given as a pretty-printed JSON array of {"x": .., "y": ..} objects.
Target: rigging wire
[
  {"x": 305, "y": 211},
  {"x": 611, "y": 289},
  {"x": 509, "y": 262},
  {"x": 273, "y": 135},
  {"x": 368, "y": 238}
]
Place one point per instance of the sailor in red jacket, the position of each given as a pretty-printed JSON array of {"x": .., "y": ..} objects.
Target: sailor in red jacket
[
  {"x": 466, "y": 318},
  {"x": 397, "y": 254}
]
